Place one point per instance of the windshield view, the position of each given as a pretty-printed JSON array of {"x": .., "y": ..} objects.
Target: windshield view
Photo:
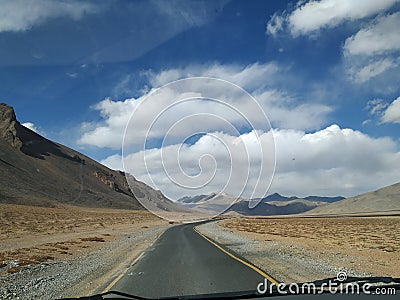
[{"x": 199, "y": 149}]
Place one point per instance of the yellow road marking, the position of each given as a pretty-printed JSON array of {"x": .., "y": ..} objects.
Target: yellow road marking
[
  {"x": 262, "y": 273},
  {"x": 122, "y": 274}
]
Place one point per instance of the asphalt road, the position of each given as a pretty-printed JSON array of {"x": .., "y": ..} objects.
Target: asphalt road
[{"x": 182, "y": 262}]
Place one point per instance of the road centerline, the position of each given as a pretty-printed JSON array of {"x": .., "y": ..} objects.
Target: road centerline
[{"x": 251, "y": 266}]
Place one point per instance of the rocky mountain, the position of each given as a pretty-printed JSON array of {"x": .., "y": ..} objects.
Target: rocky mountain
[
  {"x": 37, "y": 171},
  {"x": 383, "y": 201},
  {"x": 278, "y": 197},
  {"x": 196, "y": 199},
  {"x": 274, "y": 204},
  {"x": 270, "y": 209},
  {"x": 324, "y": 199}
]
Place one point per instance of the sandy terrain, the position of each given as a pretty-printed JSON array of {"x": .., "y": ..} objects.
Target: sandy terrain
[
  {"x": 31, "y": 236},
  {"x": 362, "y": 245}
]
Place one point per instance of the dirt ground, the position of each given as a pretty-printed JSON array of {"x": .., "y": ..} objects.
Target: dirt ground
[
  {"x": 32, "y": 235},
  {"x": 368, "y": 245}
]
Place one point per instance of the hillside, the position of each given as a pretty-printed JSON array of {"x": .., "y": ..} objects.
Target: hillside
[
  {"x": 274, "y": 204},
  {"x": 278, "y": 197},
  {"x": 274, "y": 207},
  {"x": 383, "y": 201},
  {"x": 37, "y": 171}
]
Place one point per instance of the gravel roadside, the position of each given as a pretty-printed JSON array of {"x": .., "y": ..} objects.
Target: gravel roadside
[
  {"x": 81, "y": 275},
  {"x": 285, "y": 263}
]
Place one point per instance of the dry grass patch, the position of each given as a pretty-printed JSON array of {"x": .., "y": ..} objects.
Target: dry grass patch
[
  {"x": 93, "y": 239},
  {"x": 21, "y": 220},
  {"x": 366, "y": 244},
  {"x": 379, "y": 233},
  {"x": 32, "y": 235}
]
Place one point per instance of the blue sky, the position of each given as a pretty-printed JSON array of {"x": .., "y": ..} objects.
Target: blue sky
[{"x": 326, "y": 74}]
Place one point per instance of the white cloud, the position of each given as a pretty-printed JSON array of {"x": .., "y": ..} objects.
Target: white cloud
[
  {"x": 216, "y": 162},
  {"x": 376, "y": 106},
  {"x": 282, "y": 109},
  {"x": 331, "y": 161},
  {"x": 250, "y": 77},
  {"x": 21, "y": 15},
  {"x": 315, "y": 15},
  {"x": 72, "y": 75},
  {"x": 109, "y": 133},
  {"x": 258, "y": 79},
  {"x": 275, "y": 24},
  {"x": 392, "y": 113},
  {"x": 372, "y": 53},
  {"x": 114, "y": 162},
  {"x": 374, "y": 69},
  {"x": 311, "y": 16},
  {"x": 30, "y": 126},
  {"x": 366, "y": 122},
  {"x": 174, "y": 112},
  {"x": 380, "y": 37}
]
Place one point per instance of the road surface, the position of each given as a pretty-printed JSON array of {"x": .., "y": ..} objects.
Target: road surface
[{"x": 183, "y": 262}]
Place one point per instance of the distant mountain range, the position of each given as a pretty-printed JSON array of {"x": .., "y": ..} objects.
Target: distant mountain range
[
  {"x": 274, "y": 204},
  {"x": 37, "y": 171},
  {"x": 272, "y": 197},
  {"x": 278, "y": 197}
]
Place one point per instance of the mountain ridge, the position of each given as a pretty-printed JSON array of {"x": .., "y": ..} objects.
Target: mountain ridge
[
  {"x": 269, "y": 198},
  {"x": 274, "y": 204},
  {"x": 37, "y": 171},
  {"x": 385, "y": 200}
]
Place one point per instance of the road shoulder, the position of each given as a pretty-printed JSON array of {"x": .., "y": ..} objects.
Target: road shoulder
[
  {"x": 85, "y": 273},
  {"x": 286, "y": 262}
]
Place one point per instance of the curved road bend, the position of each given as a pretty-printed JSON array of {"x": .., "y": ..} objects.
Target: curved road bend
[{"x": 182, "y": 262}]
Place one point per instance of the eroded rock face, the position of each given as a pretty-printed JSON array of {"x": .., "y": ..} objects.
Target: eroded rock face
[
  {"x": 106, "y": 179},
  {"x": 8, "y": 123}
]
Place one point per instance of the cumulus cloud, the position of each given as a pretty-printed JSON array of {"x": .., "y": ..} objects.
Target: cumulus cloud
[
  {"x": 334, "y": 161},
  {"x": 312, "y": 16},
  {"x": 30, "y": 126},
  {"x": 382, "y": 36},
  {"x": 284, "y": 112},
  {"x": 392, "y": 113},
  {"x": 216, "y": 162},
  {"x": 175, "y": 112},
  {"x": 282, "y": 109},
  {"x": 258, "y": 79},
  {"x": 109, "y": 133},
  {"x": 330, "y": 161},
  {"x": 22, "y": 15}
]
